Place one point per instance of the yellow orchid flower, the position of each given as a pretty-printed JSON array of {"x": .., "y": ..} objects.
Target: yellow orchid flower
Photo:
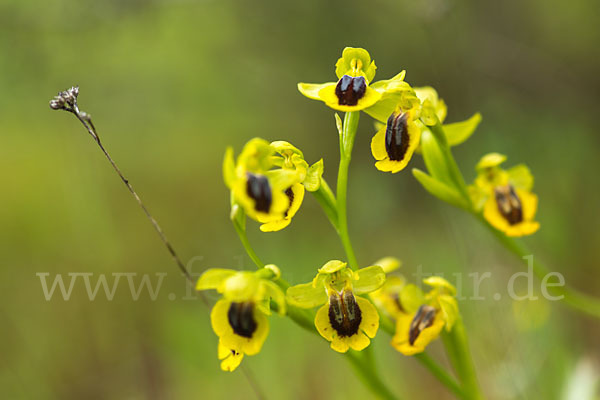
[
  {"x": 239, "y": 319},
  {"x": 354, "y": 90},
  {"x": 268, "y": 181},
  {"x": 424, "y": 316},
  {"x": 505, "y": 196},
  {"x": 345, "y": 319}
]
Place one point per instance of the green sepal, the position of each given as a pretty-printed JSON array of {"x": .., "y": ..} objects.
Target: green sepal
[
  {"x": 388, "y": 264},
  {"x": 368, "y": 279},
  {"x": 434, "y": 158},
  {"x": 229, "y": 167},
  {"x": 256, "y": 156},
  {"x": 312, "y": 180},
  {"x": 332, "y": 266},
  {"x": 490, "y": 160},
  {"x": 428, "y": 114},
  {"x": 213, "y": 278},
  {"x": 449, "y": 309},
  {"x": 242, "y": 286},
  {"x": 306, "y": 295},
  {"x": 285, "y": 148},
  {"x": 411, "y": 298},
  {"x": 438, "y": 282},
  {"x": 283, "y": 178},
  {"x": 432, "y": 104},
  {"x": 458, "y": 132},
  {"x": 274, "y": 292},
  {"x": 440, "y": 190},
  {"x": 520, "y": 177},
  {"x": 402, "y": 96}
]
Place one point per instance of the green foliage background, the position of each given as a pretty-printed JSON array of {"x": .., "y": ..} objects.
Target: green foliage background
[{"x": 171, "y": 83}]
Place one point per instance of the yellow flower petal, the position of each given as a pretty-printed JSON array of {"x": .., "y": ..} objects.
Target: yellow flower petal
[
  {"x": 327, "y": 94},
  {"x": 369, "y": 323},
  {"x": 400, "y": 341},
  {"x": 379, "y": 150},
  {"x": 220, "y": 323},
  {"x": 218, "y": 318},
  {"x": 311, "y": 90},
  {"x": 297, "y": 196},
  {"x": 231, "y": 357},
  {"x": 322, "y": 322},
  {"x": 529, "y": 207},
  {"x": 378, "y": 144}
]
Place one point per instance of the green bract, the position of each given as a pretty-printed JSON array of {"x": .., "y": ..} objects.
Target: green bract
[{"x": 243, "y": 286}]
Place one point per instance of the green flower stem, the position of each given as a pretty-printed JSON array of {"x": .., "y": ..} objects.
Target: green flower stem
[
  {"x": 580, "y": 301},
  {"x": 459, "y": 181},
  {"x": 347, "y": 143},
  {"x": 441, "y": 374},
  {"x": 457, "y": 347},
  {"x": 436, "y": 370},
  {"x": 326, "y": 199},
  {"x": 363, "y": 367},
  {"x": 241, "y": 231}
]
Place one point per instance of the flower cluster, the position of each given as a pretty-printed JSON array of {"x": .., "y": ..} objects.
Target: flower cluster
[{"x": 268, "y": 182}]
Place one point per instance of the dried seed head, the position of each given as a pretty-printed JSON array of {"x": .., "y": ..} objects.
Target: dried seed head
[{"x": 66, "y": 99}]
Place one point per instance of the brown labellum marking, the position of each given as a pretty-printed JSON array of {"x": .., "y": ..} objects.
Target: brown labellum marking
[
  {"x": 396, "y": 298},
  {"x": 396, "y": 136},
  {"x": 259, "y": 190},
  {"x": 349, "y": 90},
  {"x": 423, "y": 319},
  {"x": 290, "y": 194},
  {"x": 344, "y": 314},
  {"x": 509, "y": 204},
  {"x": 241, "y": 318}
]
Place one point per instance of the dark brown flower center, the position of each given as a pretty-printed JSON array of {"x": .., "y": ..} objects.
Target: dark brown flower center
[
  {"x": 290, "y": 194},
  {"x": 349, "y": 90},
  {"x": 241, "y": 318},
  {"x": 396, "y": 136},
  {"x": 344, "y": 314},
  {"x": 509, "y": 204},
  {"x": 259, "y": 190},
  {"x": 422, "y": 320}
]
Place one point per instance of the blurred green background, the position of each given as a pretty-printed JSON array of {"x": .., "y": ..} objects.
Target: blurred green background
[{"x": 171, "y": 83}]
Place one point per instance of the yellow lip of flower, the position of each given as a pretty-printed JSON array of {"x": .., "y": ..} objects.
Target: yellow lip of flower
[
  {"x": 239, "y": 319},
  {"x": 347, "y": 321},
  {"x": 354, "y": 91},
  {"x": 295, "y": 194},
  {"x": 512, "y": 210},
  {"x": 263, "y": 195},
  {"x": 424, "y": 316},
  {"x": 415, "y": 331},
  {"x": 394, "y": 144},
  {"x": 242, "y": 329}
]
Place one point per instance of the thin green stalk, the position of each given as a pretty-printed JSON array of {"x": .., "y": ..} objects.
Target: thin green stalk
[
  {"x": 241, "y": 231},
  {"x": 347, "y": 143},
  {"x": 457, "y": 347},
  {"x": 441, "y": 374},
  {"x": 368, "y": 375},
  {"x": 580, "y": 301},
  {"x": 326, "y": 199}
]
